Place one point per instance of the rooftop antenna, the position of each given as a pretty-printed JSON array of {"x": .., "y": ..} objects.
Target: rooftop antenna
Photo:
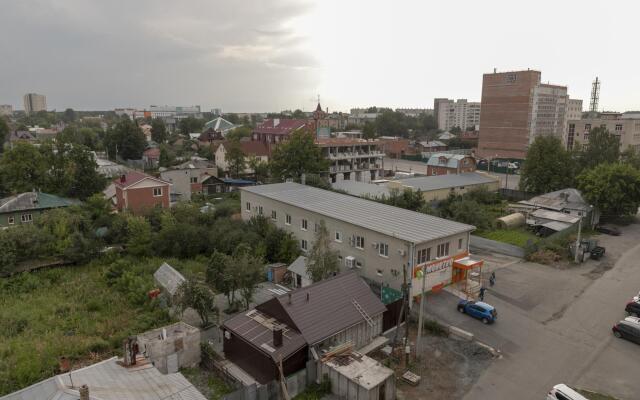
[{"x": 595, "y": 95}]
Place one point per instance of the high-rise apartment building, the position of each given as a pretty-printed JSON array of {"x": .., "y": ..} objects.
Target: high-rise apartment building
[
  {"x": 516, "y": 108},
  {"x": 451, "y": 113},
  {"x": 34, "y": 102},
  {"x": 574, "y": 113}
]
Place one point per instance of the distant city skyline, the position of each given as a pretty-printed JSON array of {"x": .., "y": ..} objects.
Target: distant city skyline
[{"x": 269, "y": 56}]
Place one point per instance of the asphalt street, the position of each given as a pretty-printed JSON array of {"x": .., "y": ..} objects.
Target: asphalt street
[{"x": 554, "y": 325}]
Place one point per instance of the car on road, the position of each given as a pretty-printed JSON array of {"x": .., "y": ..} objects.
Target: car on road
[
  {"x": 477, "y": 309},
  {"x": 636, "y": 298},
  {"x": 608, "y": 230},
  {"x": 627, "y": 330},
  {"x": 634, "y": 320},
  {"x": 564, "y": 392},
  {"x": 633, "y": 308}
]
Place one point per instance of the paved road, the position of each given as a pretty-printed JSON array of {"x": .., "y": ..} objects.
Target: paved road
[
  {"x": 512, "y": 181},
  {"x": 555, "y": 325}
]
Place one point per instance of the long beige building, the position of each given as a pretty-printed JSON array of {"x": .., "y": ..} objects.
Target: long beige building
[
  {"x": 625, "y": 126},
  {"x": 375, "y": 239}
]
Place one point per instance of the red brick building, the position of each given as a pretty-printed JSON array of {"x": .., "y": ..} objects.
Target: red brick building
[
  {"x": 276, "y": 130},
  {"x": 137, "y": 192}
]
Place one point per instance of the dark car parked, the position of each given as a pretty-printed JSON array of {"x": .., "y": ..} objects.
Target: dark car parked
[
  {"x": 627, "y": 330},
  {"x": 609, "y": 230},
  {"x": 633, "y": 308}
]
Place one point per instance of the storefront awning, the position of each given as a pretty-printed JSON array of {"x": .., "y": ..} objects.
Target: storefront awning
[{"x": 467, "y": 263}]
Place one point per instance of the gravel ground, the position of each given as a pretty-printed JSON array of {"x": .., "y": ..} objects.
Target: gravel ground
[{"x": 448, "y": 368}]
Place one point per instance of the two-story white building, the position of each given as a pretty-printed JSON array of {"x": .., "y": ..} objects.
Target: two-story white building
[{"x": 375, "y": 239}]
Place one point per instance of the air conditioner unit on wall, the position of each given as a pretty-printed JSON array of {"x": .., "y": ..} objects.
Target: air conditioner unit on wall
[
  {"x": 350, "y": 262},
  {"x": 402, "y": 252}
]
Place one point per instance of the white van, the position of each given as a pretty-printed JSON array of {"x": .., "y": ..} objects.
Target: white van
[{"x": 564, "y": 392}]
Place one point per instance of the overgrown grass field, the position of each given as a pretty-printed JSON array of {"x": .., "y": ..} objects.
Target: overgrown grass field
[
  {"x": 75, "y": 312},
  {"x": 516, "y": 237}
]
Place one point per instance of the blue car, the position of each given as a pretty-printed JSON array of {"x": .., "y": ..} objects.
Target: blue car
[{"x": 477, "y": 309}]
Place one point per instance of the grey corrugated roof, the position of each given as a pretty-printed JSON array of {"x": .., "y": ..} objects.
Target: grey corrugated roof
[
  {"x": 392, "y": 221},
  {"x": 437, "y": 182},
  {"x": 107, "y": 380},
  {"x": 452, "y": 159},
  {"x": 330, "y": 307},
  {"x": 559, "y": 200},
  {"x": 361, "y": 189},
  {"x": 34, "y": 201}
]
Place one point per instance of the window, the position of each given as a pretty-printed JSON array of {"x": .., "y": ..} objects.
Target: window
[
  {"x": 442, "y": 250},
  {"x": 338, "y": 237},
  {"x": 274, "y": 215},
  {"x": 304, "y": 245},
  {"x": 304, "y": 224},
  {"x": 247, "y": 207},
  {"x": 287, "y": 220},
  {"x": 194, "y": 179},
  {"x": 618, "y": 127},
  {"x": 157, "y": 192},
  {"x": 26, "y": 218},
  {"x": 260, "y": 210},
  {"x": 587, "y": 127},
  {"x": 383, "y": 249},
  {"x": 360, "y": 242},
  {"x": 424, "y": 255},
  {"x": 459, "y": 243},
  {"x": 316, "y": 228},
  {"x": 11, "y": 220}
]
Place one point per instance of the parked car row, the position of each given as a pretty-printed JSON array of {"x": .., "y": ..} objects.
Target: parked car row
[{"x": 629, "y": 328}]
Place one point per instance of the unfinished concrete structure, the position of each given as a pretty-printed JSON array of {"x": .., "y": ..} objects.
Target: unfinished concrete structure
[{"x": 172, "y": 347}]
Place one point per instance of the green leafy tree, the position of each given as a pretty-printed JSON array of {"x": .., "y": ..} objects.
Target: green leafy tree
[
  {"x": 298, "y": 114},
  {"x": 159, "y": 132},
  {"x": 196, "y": 295},
  {"x": 631, "y": 156},
  {"x": 235, "y": 158},
  {"x": 82, "y": 136},
  {"x": 603, "y": 148},
  {"x": 216, "y": 274},
  {"x": 22, "y": 168},
  {"x": 4, "y": 132},
  {"x": 392, "y": 123},
  {"x": 369, "y": 130},
  {"x": 240, "y": 132},
  {"x": 469, "y": 212},
  {"x": 260, "y": 168},
  {"x": 407, "y": 199},
  {"x": 613, "y": 188},
  {"x": 69, "y": 115},
  {"x": 8, "y": 252},
  {"x": 190, "y": 125},
  {"x": 299, "y": 155},
  {"x": 165, "y": 159},
  {"x": 125, "y": 140},
  {"x": 83, "y": 173},
  {"x": 322, "y": 262},
  {"x": 251, "y": 273},
  {"x": 139, "y": 237},
  {"x": 548, "y": 166}
]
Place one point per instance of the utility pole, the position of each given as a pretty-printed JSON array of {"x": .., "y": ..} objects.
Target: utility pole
[
  {"x": 578, "y": 239},
  {"x": 419, "y": 338}
]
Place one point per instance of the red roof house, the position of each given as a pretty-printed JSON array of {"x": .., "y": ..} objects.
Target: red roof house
[
  {"x": 138, "y": 192},
  {"x": 275, "y": 130}
]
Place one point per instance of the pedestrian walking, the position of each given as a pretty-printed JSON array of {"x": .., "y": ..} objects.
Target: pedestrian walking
[
  {"x": 482, "y": 289},
  {"x": 492, "y": 280},
  {"x": 493, "y": 275}
]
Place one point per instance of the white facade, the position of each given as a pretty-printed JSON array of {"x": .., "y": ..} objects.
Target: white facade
[
  {"x": 548, "y": 117},
  {"x": 461, "y": 113},
  {"x": 171, "y": 111},
  {"x": 6, "y": 109}
]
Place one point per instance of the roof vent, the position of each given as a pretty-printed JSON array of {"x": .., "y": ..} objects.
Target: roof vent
[{"x": 277, "y": 336}]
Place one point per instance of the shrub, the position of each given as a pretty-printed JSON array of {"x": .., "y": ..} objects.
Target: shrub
[{"x": 434, "y": 328}]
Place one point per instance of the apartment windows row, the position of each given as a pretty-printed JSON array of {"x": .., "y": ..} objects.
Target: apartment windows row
[{"x": 442, "y": 250}]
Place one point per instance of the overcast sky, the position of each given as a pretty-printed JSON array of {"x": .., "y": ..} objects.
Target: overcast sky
[{"x": 246, "y": 55}]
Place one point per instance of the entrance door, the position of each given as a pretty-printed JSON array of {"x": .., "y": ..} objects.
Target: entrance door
[{"x": 381, "y": 391}]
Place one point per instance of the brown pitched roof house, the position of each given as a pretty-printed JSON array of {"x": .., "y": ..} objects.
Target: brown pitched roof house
[
  {"x": 137, "y": 191},
  {"x": 284, "y": 327}
]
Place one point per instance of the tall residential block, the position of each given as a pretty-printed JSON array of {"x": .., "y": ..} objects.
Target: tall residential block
[
  {"x": 516, "y": 108},
  {"x": 34, "y": 102},
  {"x": 6, "y": 109},
  {"x": 451, "y": 113}
]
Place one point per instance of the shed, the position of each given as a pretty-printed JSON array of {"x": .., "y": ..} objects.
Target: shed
[
  {"x": 511, "y": 221},
  {"x": 275, "y": 272},
  {"x": 358, "y": 377},
  {"x": 299, "y": 274},
  {"x": 167, "y": 277},
  {"x": 171, "y": 347}
]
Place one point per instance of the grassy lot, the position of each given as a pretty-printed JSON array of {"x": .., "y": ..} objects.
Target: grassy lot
[
  {"x": 517, "y": 237},
  {"x": 210, "y": 385},
  {"x": 73, "y": 312}
]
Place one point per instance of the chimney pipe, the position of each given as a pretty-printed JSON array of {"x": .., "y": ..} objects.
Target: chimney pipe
[
  {"x": 277, "y": 336},
  {"x": 84, "y": 392}
]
